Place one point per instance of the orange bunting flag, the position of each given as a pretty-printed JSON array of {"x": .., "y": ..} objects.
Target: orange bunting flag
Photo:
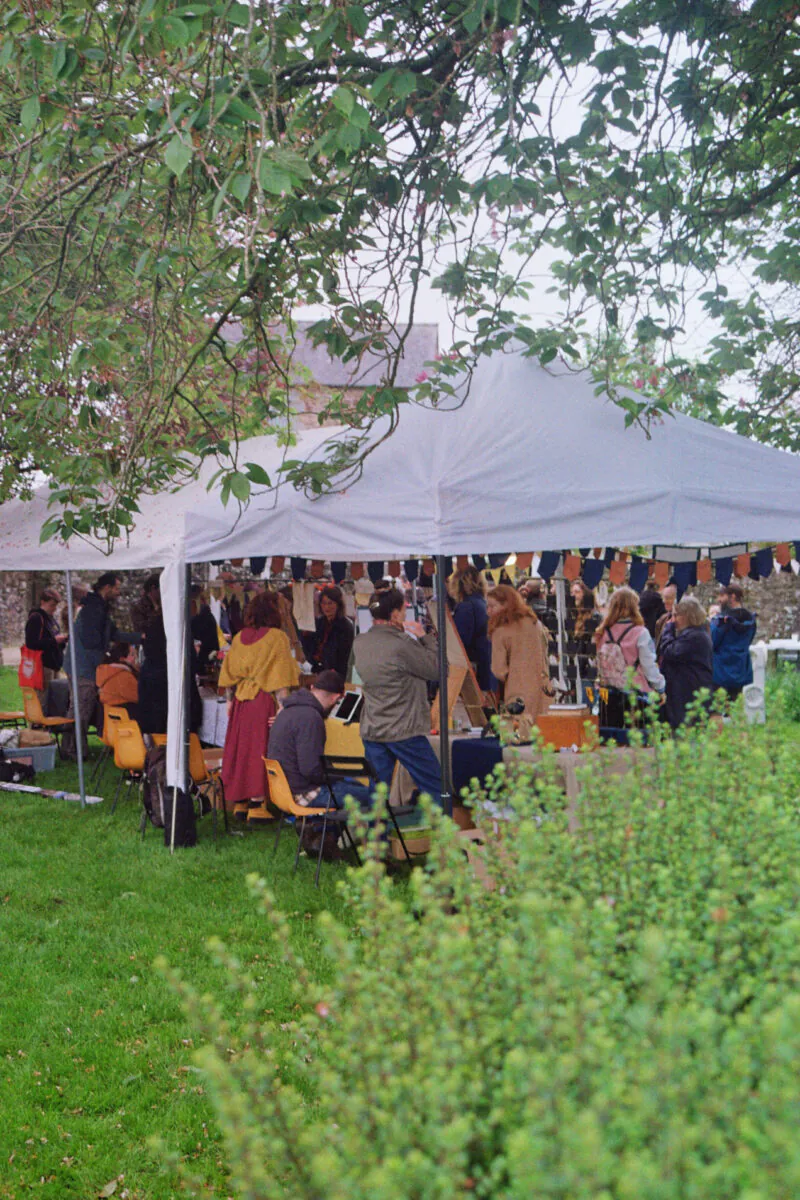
[
  {"x": 783, "y": 554},
  {"x": 394, "y": 568},
  {"x": 237, "y": 562},
  {"x": 276, "y": 566},
  {"x": 317, "y": 568},
  {"x": 357, "y": 570},
  {"x": 525, "y": 561},
  {"x": 572, "y": 566},
  {"x": 704, "y": 570},
  {"x": 429, "y": 567},
  {"x": 661, "y": 573},
  {"x": 617, "y": 572},
  {"x": 741, "y": 565},
  {"x": 598, "y": 551}
]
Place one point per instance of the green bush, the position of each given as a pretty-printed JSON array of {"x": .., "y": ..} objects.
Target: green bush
[
  {"x": 786, "y": 683},
  {"x": 618, "y": 1020}
]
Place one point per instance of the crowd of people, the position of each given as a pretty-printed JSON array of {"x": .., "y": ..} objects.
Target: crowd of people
[{"x": 632, "y": 647}]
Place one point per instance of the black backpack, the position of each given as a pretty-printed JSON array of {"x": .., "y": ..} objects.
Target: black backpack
[
  {"x": 12, "y": 771},
  {"x": 185, "y": 822},
  {"x": 155, "y": 784}
]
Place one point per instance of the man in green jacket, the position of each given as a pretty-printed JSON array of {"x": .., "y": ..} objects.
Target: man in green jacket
[{"x": 395, "y": 660}]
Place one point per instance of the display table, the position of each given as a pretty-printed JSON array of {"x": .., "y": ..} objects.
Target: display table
[{"x": 214, "y": 725}]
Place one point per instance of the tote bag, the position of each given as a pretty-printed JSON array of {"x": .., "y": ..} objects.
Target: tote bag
[{"x": 31, "y": 671}]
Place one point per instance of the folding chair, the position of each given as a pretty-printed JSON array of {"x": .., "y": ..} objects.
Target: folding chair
[
  {"x": 37, "y": 720},
  {"x": 343, "y": 767},
  {"x": 129, "y": 756},
  {"x": 280, "y": 795},
  {"x": 206, "y": 781}
]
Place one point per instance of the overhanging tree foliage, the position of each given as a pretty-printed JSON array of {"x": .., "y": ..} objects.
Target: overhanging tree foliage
[{"x": 170, "y": 171}]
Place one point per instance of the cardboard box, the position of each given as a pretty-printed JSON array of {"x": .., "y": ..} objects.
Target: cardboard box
[{"x": 568, "y": 728}]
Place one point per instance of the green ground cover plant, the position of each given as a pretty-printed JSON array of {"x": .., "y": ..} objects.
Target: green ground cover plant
[
  {"x": 95, "y": 1053},
  {"x": 618, "y": 1020}
]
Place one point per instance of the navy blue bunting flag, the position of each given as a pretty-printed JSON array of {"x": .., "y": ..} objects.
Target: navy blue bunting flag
[
  {"x": 479, "y": 562},
  {"x": 376, "y": 570},
  {"x": 766, "y": 561},
  {"x": 411, "y": 568},
  {"x": 724, "y": 570},
  {"x": 497, "y": 560},
  {"x": 338, "y": 571},
  {"x": 592, "y": 573},
  {"x": 257, "y": 564},
  {"x": 609, "y": 555},
  {"x": 298, "y": 568},
  {"x": 685, "y": 575},
  {"x": 638, "y": 573},
  {"x": 548, "y": 563}
]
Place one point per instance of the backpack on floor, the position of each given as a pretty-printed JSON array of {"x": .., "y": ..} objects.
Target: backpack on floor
[
  {"x": 12, "y": 771},
  {"x": 155, "y": 784},
  {"x": 185, "y": 821}
]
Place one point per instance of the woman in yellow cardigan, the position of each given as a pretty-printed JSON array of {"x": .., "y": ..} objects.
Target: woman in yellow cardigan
[{"x": 259, "y": 665}]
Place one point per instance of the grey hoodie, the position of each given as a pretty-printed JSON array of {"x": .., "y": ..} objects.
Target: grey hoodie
[{"x": 297, "y": 740}]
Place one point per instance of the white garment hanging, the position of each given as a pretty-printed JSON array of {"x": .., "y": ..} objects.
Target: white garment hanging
[{"x": 303, "y": 606}]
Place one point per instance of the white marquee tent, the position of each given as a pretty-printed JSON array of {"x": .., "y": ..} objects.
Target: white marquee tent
[{"x": 532, "y": 459}]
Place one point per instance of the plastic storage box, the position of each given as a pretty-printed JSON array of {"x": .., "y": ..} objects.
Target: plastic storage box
[{"x": 41, "y": 758}]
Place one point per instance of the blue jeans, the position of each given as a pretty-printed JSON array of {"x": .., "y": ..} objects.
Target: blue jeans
[
  {"x": 418, "y": 758},
  {"x": 350, "y": 787}
]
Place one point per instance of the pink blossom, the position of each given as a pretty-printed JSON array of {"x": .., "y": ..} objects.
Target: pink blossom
[
  {"x": 639, "y": 383},
  {"x": 421, "y": 378}
]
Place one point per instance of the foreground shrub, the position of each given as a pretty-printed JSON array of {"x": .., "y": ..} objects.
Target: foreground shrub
[{"x": 619, "y": 1018}]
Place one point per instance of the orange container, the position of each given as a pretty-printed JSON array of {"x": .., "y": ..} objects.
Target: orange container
[{"x": 566, "y": 727}]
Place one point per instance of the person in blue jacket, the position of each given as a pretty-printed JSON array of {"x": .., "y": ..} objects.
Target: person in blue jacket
[
  {"x": 468, "y": 589},
  {"x": 731, "y": 634}
]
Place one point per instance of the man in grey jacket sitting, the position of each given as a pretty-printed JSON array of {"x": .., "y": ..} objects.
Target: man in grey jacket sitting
[{"x": 297, "y": 742}]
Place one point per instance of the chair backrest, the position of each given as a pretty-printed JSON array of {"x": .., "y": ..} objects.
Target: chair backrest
[
  {"x": 32, "y": 706},
  {"x": 113, "y": 716},
  {"x": 129, "y": 748},
  {"x": 280, "y": 793},
  {"x": 348, "y": 766},
  {"x": 197, "y": 763}
]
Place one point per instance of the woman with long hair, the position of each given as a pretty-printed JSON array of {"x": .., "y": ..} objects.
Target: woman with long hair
[
  {"x": 258, "y": 669},
  {"x": 625, "y": 648},
  {"x": 587, "y": 621},
  {"x": 328, "y": 647},
  {"x": 520, "y": 647},
  {"x": 467, "y": 588}
]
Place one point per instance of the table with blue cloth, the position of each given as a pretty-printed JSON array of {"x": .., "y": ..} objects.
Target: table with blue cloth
[{"x": 473, "y": 758}]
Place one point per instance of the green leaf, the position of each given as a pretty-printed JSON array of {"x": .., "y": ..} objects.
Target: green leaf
[
  {"x": 59, "y": 58},
  {"x": 240, "y": 186},
  {"x": 274, "y": 180},
  {"x": 236, "y": 14},
  {"x": 404, "y": 83},
  {"x": 344, "y": 101},
  {"x": 178, "y": 154},
  {"x": 174, "y": 31},
  {"x": 257, "y": 474},
  {"x": 240, "y": 486},
  {"x": 29, "y": 113}
]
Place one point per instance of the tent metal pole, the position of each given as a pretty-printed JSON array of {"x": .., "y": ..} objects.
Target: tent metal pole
[
  {"x": 444, "y": 716},
  {"x": 75, "y": 691}
]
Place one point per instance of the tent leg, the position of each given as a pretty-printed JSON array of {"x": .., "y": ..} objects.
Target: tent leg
[
  {"x": 75, "y": 696},
  {"x": 444, "y": 715}
]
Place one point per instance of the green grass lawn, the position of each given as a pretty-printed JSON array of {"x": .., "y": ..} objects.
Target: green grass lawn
[{"x": 95, "y": 1053}]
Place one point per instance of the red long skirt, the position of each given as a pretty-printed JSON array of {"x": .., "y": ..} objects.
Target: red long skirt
[{"x": 246, "y": 745}]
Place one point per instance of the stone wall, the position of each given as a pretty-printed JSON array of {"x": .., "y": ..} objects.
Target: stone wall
[{"x": 776, "y": 601}]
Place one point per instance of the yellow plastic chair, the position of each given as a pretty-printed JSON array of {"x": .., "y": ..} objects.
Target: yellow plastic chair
[
  {"x": 37, "y": 720},
  {"x": 129, "y": 756},
  {"x": 280, "y": 794},
  {"x": 112, "y": 715},
  {"x": 207, "y": 780}
]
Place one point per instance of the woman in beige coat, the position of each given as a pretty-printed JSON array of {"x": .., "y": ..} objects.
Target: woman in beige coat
[{"x": 520, "y": 649}]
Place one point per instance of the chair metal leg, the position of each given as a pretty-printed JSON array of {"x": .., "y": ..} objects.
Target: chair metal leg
[
  {"x": 279, "y": 824},
  {"x": 120, "y": 782},
  {"x": 321, "y": 847},
  {"x": 299, "y": 844},
  {"x": 352, "y": 843},
  {"x": 399, "y": 834}
]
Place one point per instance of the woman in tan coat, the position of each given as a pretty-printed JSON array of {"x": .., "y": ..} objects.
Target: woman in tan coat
[{"x": 519, "y": 650}]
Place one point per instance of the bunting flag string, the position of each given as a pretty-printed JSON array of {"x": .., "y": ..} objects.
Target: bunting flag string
[{"x": 686, "y": 567}]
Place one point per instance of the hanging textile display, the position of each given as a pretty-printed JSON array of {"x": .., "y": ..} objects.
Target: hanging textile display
[
  {"x": 617, "y": 572},
  {"x": 338, "y": 571},
  {"x": 277, "y": 564},
  {"x": 303, "y": 606},
  {"x": 411, "y": 568},
  {"x": 479, "y": 561},
  {"x": 525, "y": 561},
  {"x": 765, "y": 562}
]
